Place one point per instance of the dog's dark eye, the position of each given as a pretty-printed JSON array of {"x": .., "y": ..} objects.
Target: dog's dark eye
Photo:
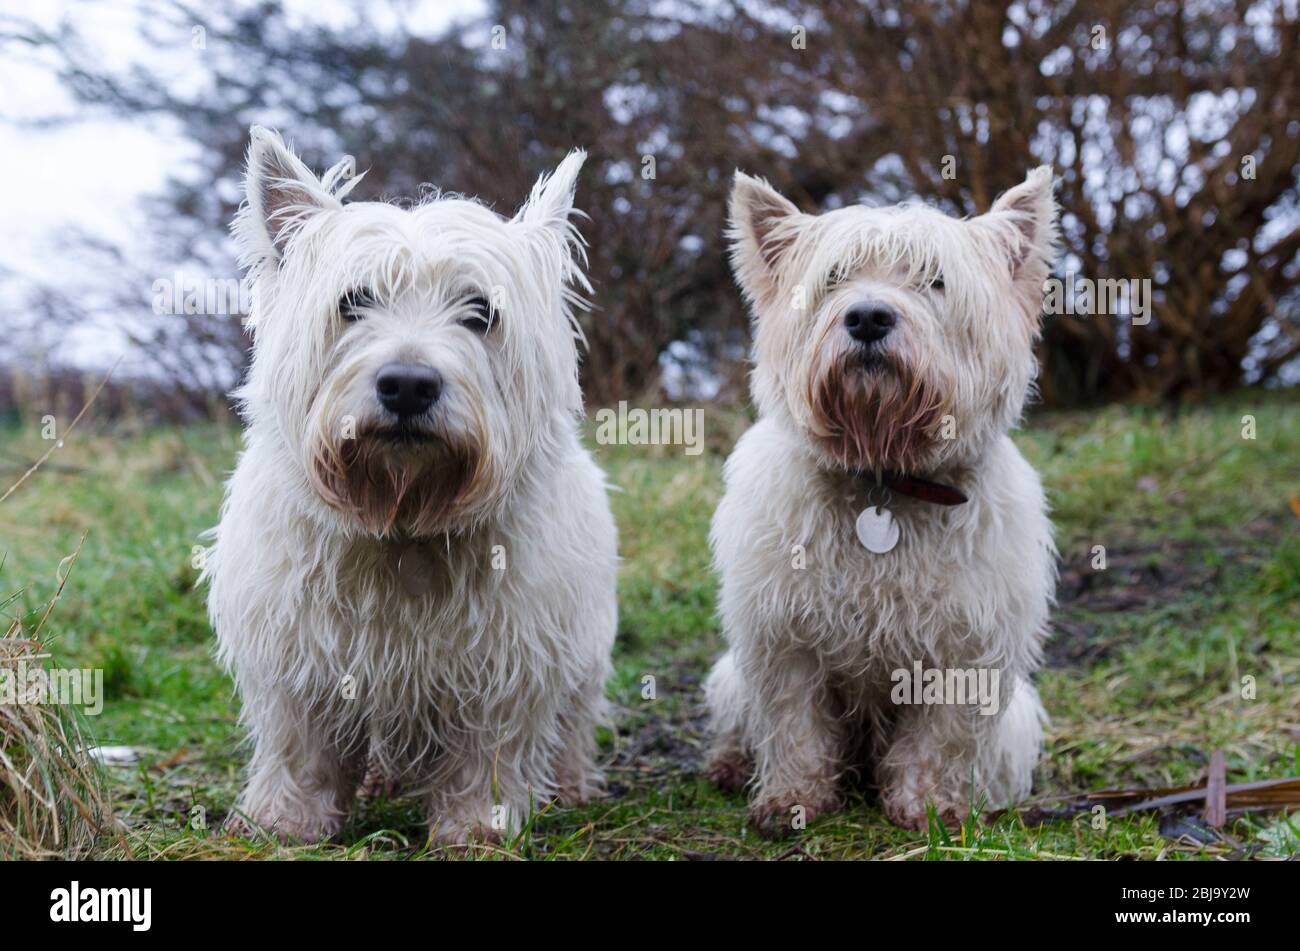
[
  {"x": 937, "y": 283},
  {"x": 479, "y": 316},
  {"x": 353, "y": 304}
]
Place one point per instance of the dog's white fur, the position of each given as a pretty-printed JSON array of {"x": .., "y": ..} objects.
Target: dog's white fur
[
  {"x": 481, "y": 692},
  {"x": 814, "y": 622}
]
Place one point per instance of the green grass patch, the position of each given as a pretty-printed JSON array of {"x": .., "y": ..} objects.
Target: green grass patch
[{"x": 1150, "y": 667}]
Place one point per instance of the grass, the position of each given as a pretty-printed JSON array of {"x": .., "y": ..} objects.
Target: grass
[
  {"x": 1201, "y": 589},
  {"x": 53, "y": 801}
]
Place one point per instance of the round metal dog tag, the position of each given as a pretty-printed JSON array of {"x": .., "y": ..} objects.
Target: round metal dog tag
[
  {"x": 877, "y": 530},
  {"x": 415, "y": 568}
]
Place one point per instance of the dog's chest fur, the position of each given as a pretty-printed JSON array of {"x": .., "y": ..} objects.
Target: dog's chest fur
[
  {"x": 967, "y": 585},
  {"x": 508, "y": 614}
]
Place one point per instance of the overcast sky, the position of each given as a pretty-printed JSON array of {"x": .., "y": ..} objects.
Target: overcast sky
[{"x": 67, "y": 170}]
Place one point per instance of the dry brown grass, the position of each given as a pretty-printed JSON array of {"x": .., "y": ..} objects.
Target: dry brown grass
[
  {"x": 52, "y": 798},
  {"x": 52, "y": 803}
]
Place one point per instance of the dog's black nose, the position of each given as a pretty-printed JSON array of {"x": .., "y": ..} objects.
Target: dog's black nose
[
  {"x": 408, "y": 389},
  {"x": 868, "y": 323}
]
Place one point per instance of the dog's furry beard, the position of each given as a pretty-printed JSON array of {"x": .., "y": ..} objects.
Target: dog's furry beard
[
  {"x": 388, "y": 480},
  {"x": 874, "y": 408}
]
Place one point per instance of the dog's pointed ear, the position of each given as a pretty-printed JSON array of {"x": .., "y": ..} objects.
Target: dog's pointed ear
[
  {"x": 758, "y": 240},
  {"x": 1026, "y": 218},
  {"x": 280, "y": 193},
  {"x": 551, "y": 200}
]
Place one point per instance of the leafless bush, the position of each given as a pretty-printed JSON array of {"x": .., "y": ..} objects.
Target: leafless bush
[{"x": 1174, "y": 128}]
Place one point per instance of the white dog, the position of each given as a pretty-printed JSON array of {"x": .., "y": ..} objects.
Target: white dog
[
  {"x": 877, "y": 522},
  {"x": 416, "y": 558}
]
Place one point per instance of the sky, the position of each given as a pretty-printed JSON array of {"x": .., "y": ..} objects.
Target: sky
[{"x": 71, "y": 171}]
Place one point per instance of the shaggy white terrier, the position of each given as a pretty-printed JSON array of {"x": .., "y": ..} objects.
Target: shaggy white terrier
[
  {"x": 877, "y": 519},
  {"x": 416, "y": 560}
]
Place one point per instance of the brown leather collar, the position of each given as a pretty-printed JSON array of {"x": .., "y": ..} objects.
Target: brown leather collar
[{"x": 923, "y": 489}]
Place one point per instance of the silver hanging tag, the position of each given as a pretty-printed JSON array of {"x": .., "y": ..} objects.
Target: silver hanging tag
[
  {"x": 415, "y": 570},
  {"x": 877, "y": 529}
]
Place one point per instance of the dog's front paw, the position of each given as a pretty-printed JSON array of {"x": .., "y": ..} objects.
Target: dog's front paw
[
  {"x": 460, "y": 831},
  {"x": 239, "y": 826},
  {"x": 911, "y": 812},
  {"x": 378, "y": 785},
  {"x": 579, "y": 794},
  {"x": 578, "y": 786},
  {"x": 775, "y": 817},
  {"x": 731, "y": 771}
]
